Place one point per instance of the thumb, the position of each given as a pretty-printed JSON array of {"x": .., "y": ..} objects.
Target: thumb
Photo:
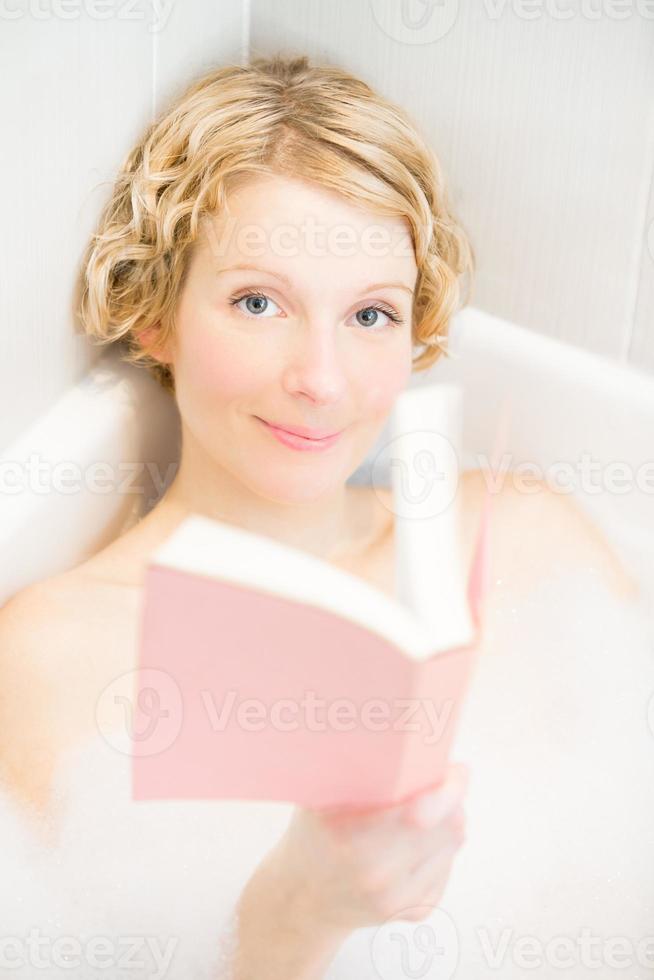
[{"x": 433, "y": 803}]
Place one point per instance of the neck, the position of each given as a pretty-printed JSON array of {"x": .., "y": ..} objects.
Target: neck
[
  {"x": 327, "y": 527},
  {"x": 320, "y": 527}
]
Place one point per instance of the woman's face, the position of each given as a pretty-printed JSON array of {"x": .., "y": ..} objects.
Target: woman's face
[{"x": 295, "y": 339}]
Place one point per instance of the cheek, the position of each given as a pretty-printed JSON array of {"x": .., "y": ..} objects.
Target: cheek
[
  {"x": 220, "y": 368},
  {"x": 388, "y": 380}
]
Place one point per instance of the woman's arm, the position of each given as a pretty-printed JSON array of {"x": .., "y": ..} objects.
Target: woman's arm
[{"x": 277, "y": 936}]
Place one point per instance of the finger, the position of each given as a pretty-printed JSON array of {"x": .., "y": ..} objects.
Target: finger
[
  {"x": 451, "y": 839},
  {"x": 364, "y": 818},
  {"x": 428, "y": 809},
  {"x": 407, "y": 851},
  {"x": 429, "y": 877},
  {"x": 428, "y": 880},
  {"x": 434, "y": 894},
  {"x": 454, "y": 773}
]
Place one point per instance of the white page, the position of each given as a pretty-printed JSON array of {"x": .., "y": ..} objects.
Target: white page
[
  {"x": 425, "y": 455},
  {"x": 203, "y": 546}
]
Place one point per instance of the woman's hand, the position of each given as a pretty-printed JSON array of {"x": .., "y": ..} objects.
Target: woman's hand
[{"x": 348, "y": 869}]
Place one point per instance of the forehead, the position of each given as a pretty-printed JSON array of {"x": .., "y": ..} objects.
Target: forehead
[{"x": 290, "y": 225}]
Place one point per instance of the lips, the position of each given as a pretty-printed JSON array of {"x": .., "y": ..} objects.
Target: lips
[
  {"x": 301, "y": 443},
  {"x": 301, "y": 430}
]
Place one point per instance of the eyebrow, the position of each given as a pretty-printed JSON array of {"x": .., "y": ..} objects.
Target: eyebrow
[{"x": 287, "y": 281}]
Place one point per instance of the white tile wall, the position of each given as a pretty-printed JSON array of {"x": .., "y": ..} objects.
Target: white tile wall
[
  {"x": 75, "y": 93},
  {"x": 543, "y": 116}
]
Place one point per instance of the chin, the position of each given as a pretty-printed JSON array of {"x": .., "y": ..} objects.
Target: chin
[{"x": 296, "y": 485}]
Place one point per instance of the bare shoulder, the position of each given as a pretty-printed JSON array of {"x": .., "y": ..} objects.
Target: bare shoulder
[
  {"x": 538, "y": 532},
  {"x": 38, "y": 621},
  {"x": 54, "y": 638},
  {"x": 55, "y": 618},
  {"x": 36, "y": 630}
]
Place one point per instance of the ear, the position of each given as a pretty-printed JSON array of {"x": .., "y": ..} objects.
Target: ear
[{"x": 160, "y": 353}]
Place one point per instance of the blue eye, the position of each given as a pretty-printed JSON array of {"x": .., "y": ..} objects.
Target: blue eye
[
  {"x": 260, "y": 304},
  {"x": 391, "y": 316}
]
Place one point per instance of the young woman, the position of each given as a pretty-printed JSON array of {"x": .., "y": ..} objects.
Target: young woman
[{"x": 279, "y": 253}]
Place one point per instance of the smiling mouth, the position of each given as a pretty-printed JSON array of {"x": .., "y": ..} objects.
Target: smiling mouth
[
  {"x": 301, "y": 432},
  {"x": 300, "y": 443}
]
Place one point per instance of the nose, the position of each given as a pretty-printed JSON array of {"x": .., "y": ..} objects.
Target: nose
[{"x": 315, "y": 366}]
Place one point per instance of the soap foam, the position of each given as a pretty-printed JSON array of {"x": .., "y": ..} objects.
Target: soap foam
[
  {"x": 558, "y": 733},
  {"x": 560, "y": 837},
  {"x": 158, "y": 879}
]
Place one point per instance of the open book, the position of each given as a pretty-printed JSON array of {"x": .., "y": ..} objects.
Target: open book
[{"x": 266, "y": 673}]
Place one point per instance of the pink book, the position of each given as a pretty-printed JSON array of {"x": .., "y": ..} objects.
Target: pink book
[{"x": 266, "y": 673}]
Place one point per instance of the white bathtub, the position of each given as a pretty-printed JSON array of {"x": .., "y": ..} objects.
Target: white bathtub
[
  {"x": 554, "y": 731},
  {"x": 564, "y": 403}
]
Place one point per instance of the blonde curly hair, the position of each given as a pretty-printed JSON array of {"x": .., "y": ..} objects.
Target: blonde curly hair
[{"x": 276, "y": 115}]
